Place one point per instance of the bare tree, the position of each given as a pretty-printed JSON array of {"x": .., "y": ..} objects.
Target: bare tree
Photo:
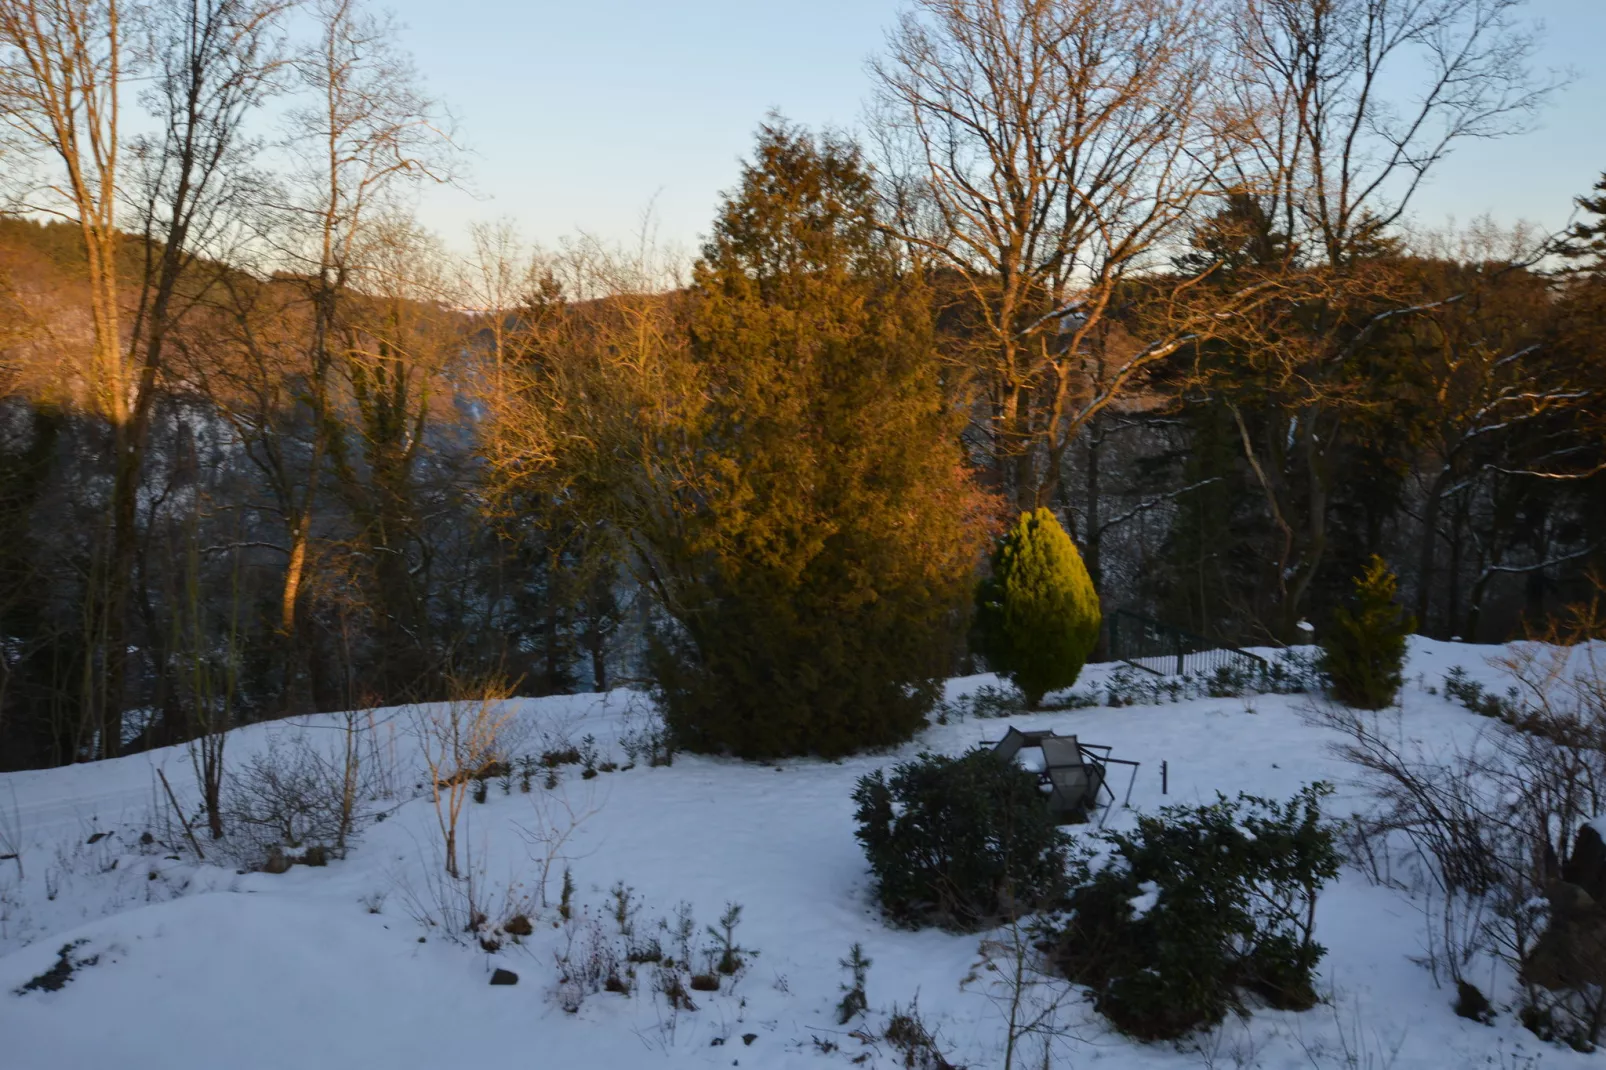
[
  {"x": 1504, "y": 406},
  {"x": 401, "y": 339},
  {"x": 1347, "y": 106},
  {"x": 1350, "y": 104},
  {"x": 209, "y": 64},
  {"x": 211, "y": 679},
  {"x": 460, "y": 739},
  {"x": 61, "y": 70},
  {"x": 366, "y": 130},
  {"x": 497, "y": 280},
  {"x": 1045, "y": 151}
]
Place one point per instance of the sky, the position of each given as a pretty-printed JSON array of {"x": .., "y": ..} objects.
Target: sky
[{"x": 587, "y": 116}]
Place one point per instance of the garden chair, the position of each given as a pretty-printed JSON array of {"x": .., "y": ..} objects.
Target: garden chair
[
  {"x": 1073, "y": 782},
  {"x": 1073, "y": 772}
]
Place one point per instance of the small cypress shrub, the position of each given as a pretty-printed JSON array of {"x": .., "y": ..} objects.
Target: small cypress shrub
[
  {"x": 1037, "y": 616},
  {"x": 1363, "y": 652},
  {"x": 960, "y": 841}
]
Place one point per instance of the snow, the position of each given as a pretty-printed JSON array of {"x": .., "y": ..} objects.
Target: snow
[
  {"x": 201, "y": 966},
  {"x": 1148, "y": 895}
]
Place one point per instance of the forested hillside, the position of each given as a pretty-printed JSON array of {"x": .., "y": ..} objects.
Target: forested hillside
[{"x": 267, "y": 446}]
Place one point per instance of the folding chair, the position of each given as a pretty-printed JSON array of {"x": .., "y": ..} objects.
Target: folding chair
[{"x": 1075, "y": 783}]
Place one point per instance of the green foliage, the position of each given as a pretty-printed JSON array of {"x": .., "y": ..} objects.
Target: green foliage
[
  {"x": 854, "y": 1001},
  {"x": 1585, "y": 243},
  {"x": 1227, "y": 895},
  {"x": 959, "y": 841},
  {"x": 1037, "y": 618},
  {"x": 1363, "y": 653},
  {"x": 1470, "y": 1002},
  {"x": 820, "y": 529},
  {"x": 725, "y": 954},
  {"x": 1458, "y": 687}
]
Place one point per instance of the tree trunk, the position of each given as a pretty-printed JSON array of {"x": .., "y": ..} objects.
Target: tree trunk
[{"x": 1430, "y": 542}]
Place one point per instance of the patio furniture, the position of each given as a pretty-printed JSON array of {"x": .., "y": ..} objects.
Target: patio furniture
[{"x": 1073, "y": 773}]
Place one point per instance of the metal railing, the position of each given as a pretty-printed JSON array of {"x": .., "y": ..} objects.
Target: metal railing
[{"x": 1167, "y": 650}]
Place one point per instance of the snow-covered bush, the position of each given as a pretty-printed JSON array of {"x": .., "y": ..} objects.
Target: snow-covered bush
[
  {"x": 960, "y": 841},
  {"x": 1199, "y": 905}
]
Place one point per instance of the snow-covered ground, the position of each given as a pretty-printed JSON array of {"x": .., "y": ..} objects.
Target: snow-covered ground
[{"x": 199, "y": 965}]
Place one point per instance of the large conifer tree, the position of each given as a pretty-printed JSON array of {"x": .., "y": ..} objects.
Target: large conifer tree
[{"x": 825, "y": 527}]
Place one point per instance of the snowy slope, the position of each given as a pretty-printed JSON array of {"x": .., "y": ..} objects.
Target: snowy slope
[{"x": 202, "y": 966}]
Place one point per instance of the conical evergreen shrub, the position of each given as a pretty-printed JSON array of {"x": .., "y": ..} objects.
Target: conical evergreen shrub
[
  {"x": 1037, "y": 617},
  {"x": 1363, "y": 651},
  {"x": 811, "y": 528}
]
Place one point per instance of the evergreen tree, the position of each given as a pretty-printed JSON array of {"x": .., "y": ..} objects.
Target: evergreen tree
[
  {"x": 824, "y": 527},
  {"x": 1586, "y": 241},
  {"x": 1363, "y": 652},
  {"x": 1038, "y": 616}
]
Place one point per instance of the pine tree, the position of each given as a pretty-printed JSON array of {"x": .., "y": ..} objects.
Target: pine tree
[
  {"x": 824, "y": 525},
  {"x": 1363, "y": 652},
  {"x": 1038, "y": 615},
  {"x": 1586, "y": 241}
]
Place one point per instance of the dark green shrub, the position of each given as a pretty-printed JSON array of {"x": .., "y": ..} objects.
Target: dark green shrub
[
  {"x": 960, "y": 841},
  {"x": 1197, "y": 907},
  {"x": 1037, "y": 616},
  {"x": 1458, "y": 687},
  {"x": 1470, "y": 1002},
  {"x": 813, "y": 550},
  {"x": 1363, "y": 652}
]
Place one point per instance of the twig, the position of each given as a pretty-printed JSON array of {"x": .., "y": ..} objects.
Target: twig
[
  {"x": 182, "y": 820},
  {"x": 11, "y": 834}
]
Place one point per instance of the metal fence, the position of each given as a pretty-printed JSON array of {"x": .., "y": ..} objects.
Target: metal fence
[{"x": 1167, "y": 650}]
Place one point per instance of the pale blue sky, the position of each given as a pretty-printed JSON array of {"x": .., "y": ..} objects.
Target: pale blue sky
[{"x": 580, "y": 113}]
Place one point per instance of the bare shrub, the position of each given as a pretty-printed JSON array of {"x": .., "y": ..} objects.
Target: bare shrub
[
  {"x": 591, "y": 962},
  {"x": 443, "y": 903},
  {"x": 1488, "y": 826},
  {"x": 646, "y": 739},
  {"x": 305, "y": 794},
  {"x": 282, "y": 800},
  {"x": 1026, "y": 987},
  {"x": 361, "y": 770},
  {"x": 1353, "y": 1044},
  {"x": 909, "y": 1034},
  {"x": 554, "y": 820},
  {"x": 461, "y": 739}
]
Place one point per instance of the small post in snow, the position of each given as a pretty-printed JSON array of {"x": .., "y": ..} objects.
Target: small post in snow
[{"x": 1164, "y": 776}]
